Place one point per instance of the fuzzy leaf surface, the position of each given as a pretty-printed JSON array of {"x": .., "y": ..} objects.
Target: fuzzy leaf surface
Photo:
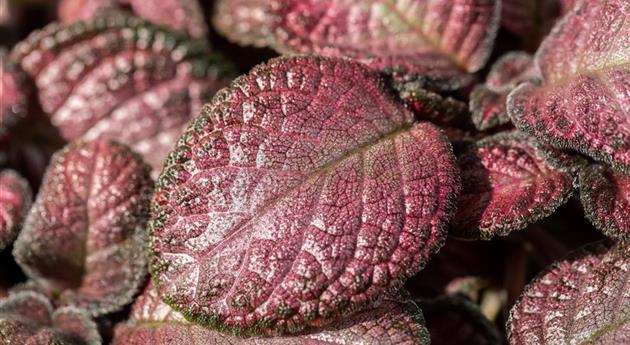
[
  {"x": 15, "y": 200},
  {"x": 302, "y": 192},
  {"x": 583, "y": 102},
  {"x": 583, "y": 299},
  {"x": 83, "y": 239},
  {"x": 506, "y": 185},
  {"x": 122, "y": 78}
]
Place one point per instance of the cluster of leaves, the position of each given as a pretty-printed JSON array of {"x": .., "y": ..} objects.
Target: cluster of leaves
[{"x": 324, "y": 196}]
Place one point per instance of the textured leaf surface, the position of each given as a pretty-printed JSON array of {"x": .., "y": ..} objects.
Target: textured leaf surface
[
  {"x": 84, "y": 237},
  {"x": 29, "y": 318},
  {"x": 184, "y": 15},
  {"x": 583, "y": 101},
  {"x": 488, "y": 101},
  {"x": 431, "y": 106},
  {"x": 440, "y": 40},
  {"x": 506, "y": 186},
  {"x": 583, "y": 299},
  {"x": 13, "y": 96},
  {"x": 15, "y": 200},
  {"x": 303, "y": 191},
  {"x": 386, "y": 322},
  {"x": 456, "y": 321},
  {"x": 605, "y": 196},
  {"x": 120, "y": 77}
]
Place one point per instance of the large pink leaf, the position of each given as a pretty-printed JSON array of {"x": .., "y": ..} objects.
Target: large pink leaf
[
  {"x": 302, "y": 192},
  {"x": 13, "y": 95},
  {"x": 437, "y": 40},
  {"x": 184, "y": 15},
  {"x": 384, "y": 322},
  {"x": 15, "y": 200},
  {"x": 583, "y": 102},
  {"x": 506, "y": 186},
  {"x": 119, "y": 77},
  {"x": 83, "y": 239},
  {"x": 28, "y": 318},
  {"x": 582, "y": 299},
  {"x": 605, "y": 196}
]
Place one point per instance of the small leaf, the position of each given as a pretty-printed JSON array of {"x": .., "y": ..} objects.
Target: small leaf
[
  {"x": 385, "y": 322},
  {"x": 582, "y": 103},
  {"x": 184, "y": 15},
  {"x": 28, "y": 318},
  {"x": 121, "y": 78},
  {"x": 455, "y": 321},
  {"x": 15, "y": 200},
  {"x": 301, "y": 193},
  {"x": 83, "y": 239},
  {"x": 605, "y": 196},
  {"x": 431, "y": 106},
  {"x": 438, "y": 41},
  {"x": 488, "y": 101},
  {"x": 14, "y": 93},
  {"x": 582, "y": 299},
  {"x": 506, "y": 186}
]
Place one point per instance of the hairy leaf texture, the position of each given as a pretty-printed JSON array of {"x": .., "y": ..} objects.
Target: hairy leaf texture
[
  {"x": 120, "y": 77},
  {"x": 605, "y": 196},
  {"x": 385, "y": 322},
  {"x": 583, "y": 102},
  {"x": 300, "y": 194},
  {"x": 28, "y": 318},
  {"x": 438, "y": 41},
  {"x": 582, "y": 299},
  {"x": 13, "y": 95},
  {"x": 184, "y": 15},
  {"x": 488, "y": 101},
  {"x": 15, "y": 200},
  {"x": 430, "y": 106},
  {"x": 84, "y": 238},
  {"x": 457, "y": 321},
  {"x": 506, "y": 186}
]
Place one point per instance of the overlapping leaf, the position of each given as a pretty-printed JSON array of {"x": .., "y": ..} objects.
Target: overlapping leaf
[
  {"x": 120, "y": 77},
  {"x": 438, "y": 41},
  {"x": 605, "y": 196},
  {"x": 15, "y": 200},
  {"x": 83, "y": 239},
  {"x": 583, "y": 102},
  {"x": 177, "y": 14},
  {"x": 583, "y": 299},
  {"x": 488, "y": 101},
  {"x": 386, "y": 322},
  {"x": 506, "y": 186},
  {"x": 29, "y": 318},
  {"x": 301, "y": 193},
  {"x": 14, "y": 93}
]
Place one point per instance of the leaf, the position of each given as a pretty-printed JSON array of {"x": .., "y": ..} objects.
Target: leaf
[
  {"x": 431, "y": 106},
  {"x": 506, "y": 186},
  {"x": 186, "y": 15},
  {"x": 582, "y": 103},
  {"x": 437, "y": 41},
  {"x": 531, "y": 20},
  {"x": 83, "y": 239},
  {"x": 15, "y": 200},
  {"x": 14, "y": 93},
  {"x": 487, "y": 101},
  {"x": 119, "y": 77},
  {"x": 582, "y": 299},
  {"x": 386, "y": 322},
  {"x": 455, "y": 320},
  {"x": 301, "y": 193},
  {"x": 28, "y": 318},
  {"x": 605, "y": 196}
]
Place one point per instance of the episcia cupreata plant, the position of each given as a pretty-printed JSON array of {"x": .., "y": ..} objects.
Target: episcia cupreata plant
[{"x": 300, "y": 202}]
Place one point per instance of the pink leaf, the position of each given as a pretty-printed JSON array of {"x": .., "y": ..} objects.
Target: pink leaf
[
  {"x": 384, "y": 322},
  {"x": 15, "y": 200},
  {"x": 437, "y": 40},
  {"x": 119, "y": 77},
  {"x": 301, "y": 193},
  {"x": 581, "y": 299},
  {"x": 28, "y": 318},
  {"x": 506, "y": 186},
  {"x": 605, "y": 196},
  {"x": 83, "y": 239},
  {"x": 431, "y": 106},
  {"x": 13, "y": 97},
  {"x": 583, "y": 102}
]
